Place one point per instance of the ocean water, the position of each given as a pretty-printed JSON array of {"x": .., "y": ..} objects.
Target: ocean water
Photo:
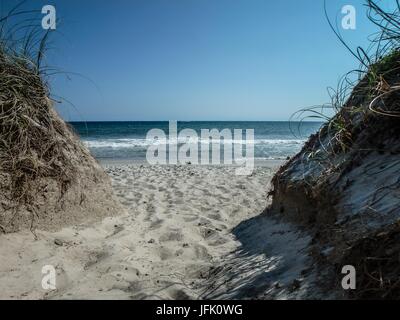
[{"x": 127, "y": 140}]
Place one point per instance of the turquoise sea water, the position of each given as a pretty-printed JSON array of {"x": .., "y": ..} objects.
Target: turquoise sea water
[{"x": 127, "y": 140}]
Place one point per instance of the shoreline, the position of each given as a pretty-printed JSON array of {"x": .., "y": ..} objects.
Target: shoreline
[{"x": 106, "y": 162}]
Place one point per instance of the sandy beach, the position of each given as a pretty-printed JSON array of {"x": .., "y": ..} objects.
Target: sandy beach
[
  {"x": 163, "y": 152},
  {"x": 180, "y": 238}
]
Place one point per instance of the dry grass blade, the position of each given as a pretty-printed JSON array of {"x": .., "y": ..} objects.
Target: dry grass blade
[{"x": 32, "y": 140}]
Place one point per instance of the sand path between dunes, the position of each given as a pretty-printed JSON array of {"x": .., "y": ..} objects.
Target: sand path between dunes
[{"x": 190, "y": 232}]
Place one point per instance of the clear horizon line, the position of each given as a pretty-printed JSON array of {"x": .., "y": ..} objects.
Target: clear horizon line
[{"x": 76, "y": 121}]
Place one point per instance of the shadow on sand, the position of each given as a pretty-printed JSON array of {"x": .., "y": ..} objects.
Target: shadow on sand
[{"x": 271, "y": 262}]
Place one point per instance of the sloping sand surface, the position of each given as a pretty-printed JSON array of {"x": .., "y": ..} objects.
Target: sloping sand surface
[{"x": 190, "y": 232}]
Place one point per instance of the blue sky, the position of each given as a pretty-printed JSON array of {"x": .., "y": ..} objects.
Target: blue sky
[{"x": 198, "y": 59}]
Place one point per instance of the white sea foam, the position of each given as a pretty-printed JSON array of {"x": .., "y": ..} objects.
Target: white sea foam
[{"x": 135, "y": 142}]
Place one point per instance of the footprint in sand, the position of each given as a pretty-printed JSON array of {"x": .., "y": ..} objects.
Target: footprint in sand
[
  {"x": 213, "y": 237},
  {"x": 157, "y": 224},
  {"x": 124, "y": 272},
  {"x": 217, "y": 241},
  {"x": 196, "y": 271},
  {"x": 215, "y": 216},
  {"x": 190, "y": 217},
  {"x": 150, "y": 209},
  {"x": 179, "y": 194},
  {"x": 173, "y": 235},
  {"x": 205, "y": 209},
  {"x": 201, "y": 252},
  {"x": 150, "y": 187},
  {"x": 95, "y": 258},
  {"x": 179, "y": 294},
  {"x": 165, "y": 253}
]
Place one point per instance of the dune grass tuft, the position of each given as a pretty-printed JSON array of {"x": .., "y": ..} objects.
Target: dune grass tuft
[
  {"x": 32, "y": 140},
  {"x": 370, "y": 91}
]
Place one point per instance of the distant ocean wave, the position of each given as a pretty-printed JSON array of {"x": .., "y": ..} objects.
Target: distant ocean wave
[
  {"x": 128, "y": 140},
  {"x": 135, "y": 142}
]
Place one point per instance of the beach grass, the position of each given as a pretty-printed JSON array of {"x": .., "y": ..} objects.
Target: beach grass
[{"x": 32, "y": 140}]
